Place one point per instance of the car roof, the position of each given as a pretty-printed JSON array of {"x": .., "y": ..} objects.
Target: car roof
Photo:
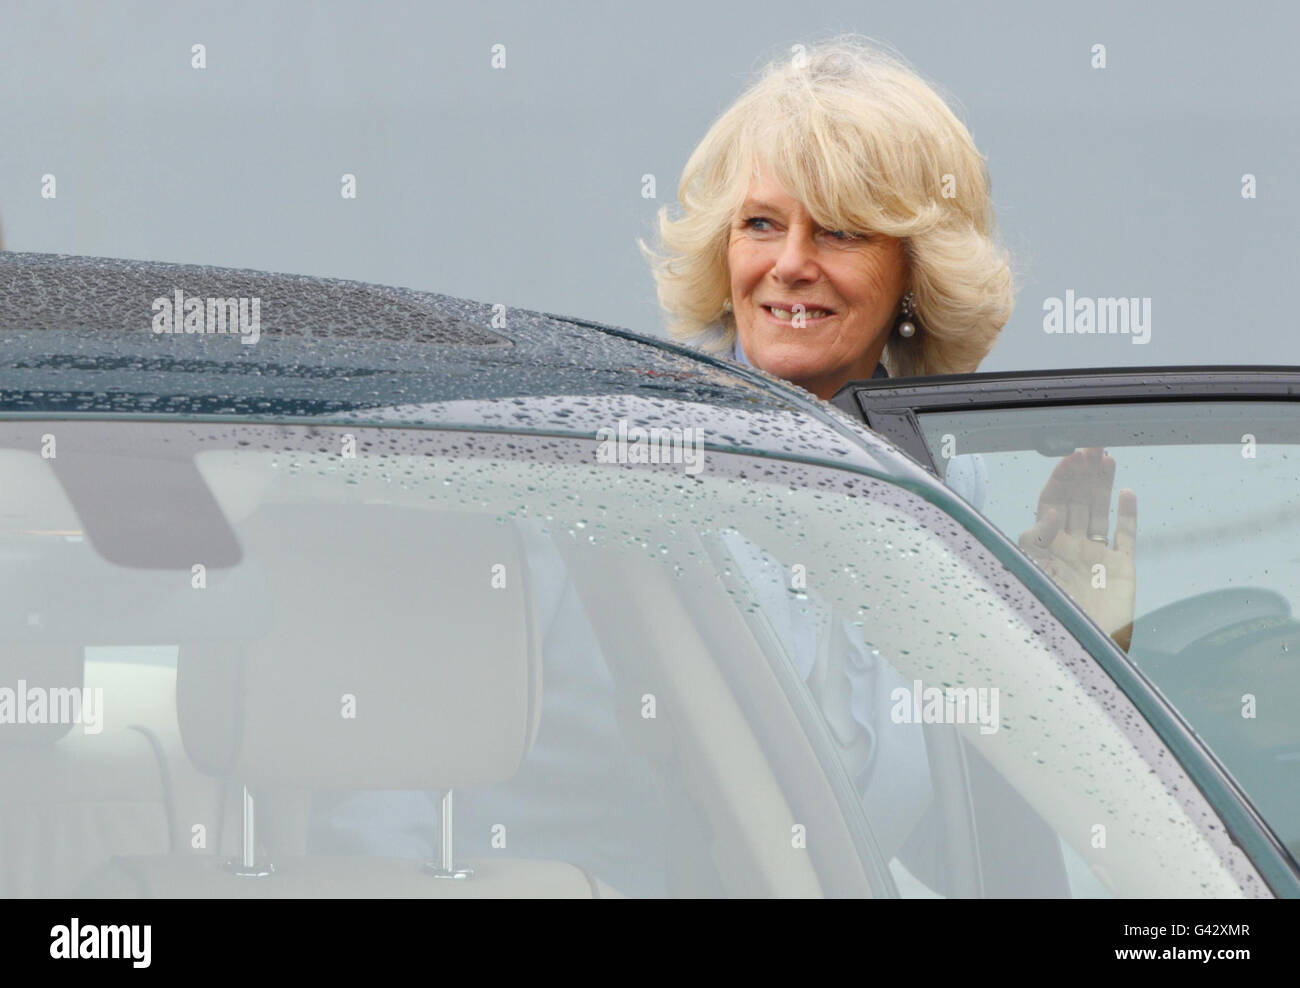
[{"x": 78, "y": 339}]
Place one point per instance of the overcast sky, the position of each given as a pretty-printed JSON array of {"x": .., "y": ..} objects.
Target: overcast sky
[{"x": 523, "y": 185}]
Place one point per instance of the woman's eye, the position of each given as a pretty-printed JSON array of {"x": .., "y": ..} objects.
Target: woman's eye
[
  {"x": 844, "y": 235},
  {"x": 751, "y": 221}
]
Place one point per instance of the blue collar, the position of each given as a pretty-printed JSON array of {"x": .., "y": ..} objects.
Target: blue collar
[{"x": 738, "y": 354}]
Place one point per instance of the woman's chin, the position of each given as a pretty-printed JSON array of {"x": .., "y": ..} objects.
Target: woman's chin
[{"x": 789, "y": 363}]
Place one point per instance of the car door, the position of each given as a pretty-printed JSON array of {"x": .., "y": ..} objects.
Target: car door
[{"x": 1213, "y": 455}]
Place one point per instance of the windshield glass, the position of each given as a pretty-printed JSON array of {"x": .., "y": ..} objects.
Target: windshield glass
[
  {"x": 275, "y": 649},
  {"x": 1216, "y": 556}
]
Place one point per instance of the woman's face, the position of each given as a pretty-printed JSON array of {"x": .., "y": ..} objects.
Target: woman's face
[{"x": 849, "y": 286}]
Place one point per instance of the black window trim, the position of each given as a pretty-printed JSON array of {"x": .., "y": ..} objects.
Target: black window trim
[{"x": 890, "y": 406}]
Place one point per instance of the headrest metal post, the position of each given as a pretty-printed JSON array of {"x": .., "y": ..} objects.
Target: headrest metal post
[
  {"x": 247, "y": 866},
  {"x": 445, "y": 867}
]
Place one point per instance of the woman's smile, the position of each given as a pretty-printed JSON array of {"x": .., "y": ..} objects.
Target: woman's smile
[{"x": 797, "y": 314}]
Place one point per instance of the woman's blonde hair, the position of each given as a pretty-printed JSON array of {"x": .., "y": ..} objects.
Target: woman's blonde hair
[{"x": 865, "y": 144}]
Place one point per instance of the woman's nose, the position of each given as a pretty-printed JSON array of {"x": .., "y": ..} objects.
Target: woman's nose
[{"x": 797, "y": 260}]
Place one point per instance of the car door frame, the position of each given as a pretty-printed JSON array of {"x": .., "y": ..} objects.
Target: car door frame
[{"x": 891, "y": 407}]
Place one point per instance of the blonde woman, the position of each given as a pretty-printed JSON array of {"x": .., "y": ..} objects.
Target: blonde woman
[{"x": 836, "y": 224}]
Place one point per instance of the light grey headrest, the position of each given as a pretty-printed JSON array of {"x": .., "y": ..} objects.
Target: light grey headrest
[{"x": 396, "y": 658}]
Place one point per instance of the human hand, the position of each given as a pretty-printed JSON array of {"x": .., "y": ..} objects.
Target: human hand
[{"x": 1069, "y": 539}]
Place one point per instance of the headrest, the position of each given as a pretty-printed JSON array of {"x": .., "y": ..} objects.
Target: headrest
[
  {"x": 41, "y": 696},
  {"x": 403, "y": 653}
]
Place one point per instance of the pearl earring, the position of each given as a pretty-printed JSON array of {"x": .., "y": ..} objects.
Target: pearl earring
[
  {"x": 907, "y": 328},
  {"x": 726, "y": 305}
]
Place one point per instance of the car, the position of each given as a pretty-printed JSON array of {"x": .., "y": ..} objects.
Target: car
[{"x": 317, "y": 588}]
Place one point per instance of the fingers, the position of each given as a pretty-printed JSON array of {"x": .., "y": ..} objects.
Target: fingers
[
  {"x": 1036, "y": 540},
  {"x": 1079, "y": 491},
  {"x": 1127, "y": 522},
  {"x": 1068, "y": 491},
  {"x": 1076, "y": 519},
  {"x": 1057, "y": 492},
  {"x": 1101, "y": 481}
]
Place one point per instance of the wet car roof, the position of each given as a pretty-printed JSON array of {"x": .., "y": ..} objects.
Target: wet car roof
[{"x": 77, "y": 338}]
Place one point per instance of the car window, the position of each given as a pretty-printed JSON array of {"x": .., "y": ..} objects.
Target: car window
[
  {"x": 275, "y": 649},
  {"x": 1218, "y": 542}
]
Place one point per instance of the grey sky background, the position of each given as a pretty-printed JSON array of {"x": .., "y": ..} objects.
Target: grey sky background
[{"x": 523, "y": 185}]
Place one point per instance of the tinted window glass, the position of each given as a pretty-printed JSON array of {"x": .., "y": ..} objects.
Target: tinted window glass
[{"x": 1218, "y": 542}]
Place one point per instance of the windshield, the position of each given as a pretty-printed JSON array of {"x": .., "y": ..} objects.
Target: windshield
[
  {"x": 275, "y": 650},
  {"x": 1218, "y": 568}
]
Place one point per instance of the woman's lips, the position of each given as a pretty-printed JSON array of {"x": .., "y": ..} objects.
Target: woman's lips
[{"x": 807, "y": 319}]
